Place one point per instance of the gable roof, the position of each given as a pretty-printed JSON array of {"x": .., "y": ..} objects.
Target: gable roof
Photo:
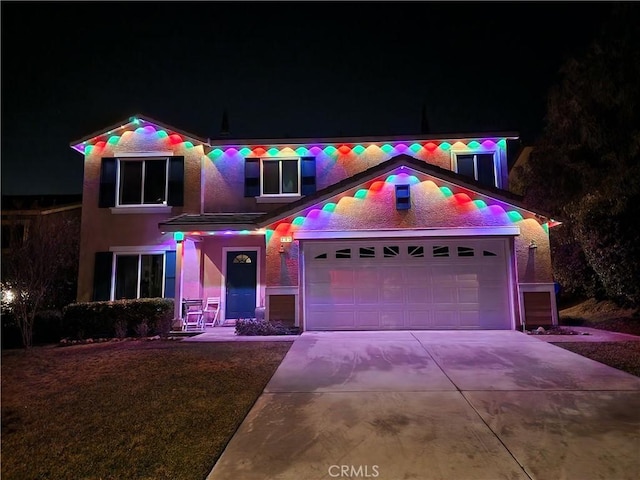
[
  {"x": 249, "y": 221},
  {"x": 135, "y": 121},
  {"x": 421, "y": 166}
]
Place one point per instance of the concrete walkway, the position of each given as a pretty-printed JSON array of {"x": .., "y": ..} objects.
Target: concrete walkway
[{"x": 438, "y": 405}]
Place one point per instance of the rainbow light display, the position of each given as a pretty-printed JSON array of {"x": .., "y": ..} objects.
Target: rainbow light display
[
  {"x": 317, "y": 216},
  {"x": 144, "y": 127}
]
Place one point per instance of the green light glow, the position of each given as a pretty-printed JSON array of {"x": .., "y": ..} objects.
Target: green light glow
[
  {"x": 135, "y": 121},
  {"x": 545, "y": 227},
  {"x": 268, "y": 234},
  {"x": 216, "y": 152},
  {"x": 298, "y": 221},
  {"x": 480, "y": 203},
  {"x": 245, "y": 151},
  {"x": 88, "y": 150},
  {"x": 178, "y": 236},
  {"x": 358, "y": 149},
  {"x": 386, "y": 148},
  {"x": 362, "y": 193},
  {"x": 514, "y": 216},
  {"x": 302, "y": 151},
  {"x": 113, "y": 140},
  {"x": 415, "y": 148},
  {"x": 330, "y": 150},
  {"x": 473, "y": 144},
  {"x": 188, "y": 144},
  {"x": 244, "y": 232},
  {"x": 502, "y": 143},
  {"x": 445, "y": 146},
  {"x": 162, "y": 134},
  {"x": 446, "y": 191},
  {"x": 273, "y": 151},
  {"x": 329, "y": 207}
]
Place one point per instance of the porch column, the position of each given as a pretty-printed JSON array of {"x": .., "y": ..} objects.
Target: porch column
[{"x": 177, "y": 307}]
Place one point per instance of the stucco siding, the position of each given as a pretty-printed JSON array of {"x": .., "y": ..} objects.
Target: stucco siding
[
  {"x": 102, "y": 229},
  {"x": 430, "y": 208}
]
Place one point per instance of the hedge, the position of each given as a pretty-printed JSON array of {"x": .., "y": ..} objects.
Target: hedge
[{"x": 119, "y": 318}]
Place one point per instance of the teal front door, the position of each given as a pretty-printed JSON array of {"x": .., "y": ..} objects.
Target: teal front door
[{"x": 241, "y": 284}]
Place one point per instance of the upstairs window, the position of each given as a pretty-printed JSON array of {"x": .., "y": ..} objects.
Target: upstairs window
[
  {"x": 478, "y": 166},
  {"x": 142, "y": 182},
  {"x": 284, "y": 177},
  {"x": 281, "y": 177}
]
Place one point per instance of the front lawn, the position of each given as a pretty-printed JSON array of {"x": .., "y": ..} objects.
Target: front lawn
[
  {"x": 128, "y": 410},
  {"x": 624, "y": 356}
]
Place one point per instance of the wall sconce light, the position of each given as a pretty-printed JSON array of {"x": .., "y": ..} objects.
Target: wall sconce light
[
  {"x": 533, "y": 245},
  {"x": 178, "y": 237}
]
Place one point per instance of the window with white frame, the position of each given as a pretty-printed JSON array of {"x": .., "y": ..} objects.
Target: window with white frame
[
  {"x": 478, "y": 166},
  {"x": 138, "y": 275},
  {"x": 142, "y": 181},
  {"x": 280, "y": 176}
]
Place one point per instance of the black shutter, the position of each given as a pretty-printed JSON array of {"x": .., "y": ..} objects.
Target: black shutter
[
  {"x": 251, "y": 177},
  {"x": 170, "y": 274},
  {"x": 107, "y": 194},
  {"x": 175, "y": 190},
  {"x": 308, "y": 174},
  {"x": 102, "y": 276}
]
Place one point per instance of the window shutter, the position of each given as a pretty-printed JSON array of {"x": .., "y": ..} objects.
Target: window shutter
[
  {"x": 107, "y": 193},
  {"x": 170, "y": 274},
  {"x": 308, "y": 174},
  {"x": 102, "y": 276},
  {"x": 175, "y": 190},
  {"x": 251, "y": 177}
]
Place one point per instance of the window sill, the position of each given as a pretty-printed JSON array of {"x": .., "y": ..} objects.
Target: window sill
[
  {"x": 278, "y": 199},
  {"x": 142, "y": 209}
]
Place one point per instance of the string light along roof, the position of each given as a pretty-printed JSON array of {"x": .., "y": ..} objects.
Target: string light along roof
[{"x": 304, "y": 146}]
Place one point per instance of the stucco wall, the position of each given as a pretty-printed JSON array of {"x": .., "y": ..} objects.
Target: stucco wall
[
  {"x": 102, "y": 229},
  {"x": 224, "y": 172},
  {"x": 429, "y": 208}
]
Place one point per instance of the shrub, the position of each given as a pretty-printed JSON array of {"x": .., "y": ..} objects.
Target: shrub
[
  {"x": 120, "y": 329},
  {"x": 142, "y": 329},
  {"x": 253, "y": 326},
  {"x": 122, "y": 317}
]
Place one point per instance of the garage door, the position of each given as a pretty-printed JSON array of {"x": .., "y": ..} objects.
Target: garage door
[{"x": 453, "y": 283}]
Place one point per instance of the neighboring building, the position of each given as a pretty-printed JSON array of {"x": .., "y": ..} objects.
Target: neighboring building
[
  {"x": 19, "y": 212},
  {"x": 403, "y": 232}
]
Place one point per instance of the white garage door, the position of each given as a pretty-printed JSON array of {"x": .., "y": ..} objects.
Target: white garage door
[{"x": 452, "y": 283}]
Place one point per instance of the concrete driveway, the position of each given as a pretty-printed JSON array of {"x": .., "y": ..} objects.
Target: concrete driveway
[{"x": 438, "y": 405}]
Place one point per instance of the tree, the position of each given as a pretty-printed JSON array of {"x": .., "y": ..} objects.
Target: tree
[
  {"x": 39, "y": 272},
  {"x": 585, "y": 167}
]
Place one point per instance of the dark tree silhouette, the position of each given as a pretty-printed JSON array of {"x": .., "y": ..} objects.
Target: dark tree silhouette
[
  {"x": 41, "y": 271},
  {"x": 585, "y": 167}
]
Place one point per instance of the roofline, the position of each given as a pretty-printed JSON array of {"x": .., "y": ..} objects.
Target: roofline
[
  {"x": 511, "y": 135},
  {"x": 143, "y": 118},
  {"x": 42, "y": 210},
  {"x": 380, "y": 169}
]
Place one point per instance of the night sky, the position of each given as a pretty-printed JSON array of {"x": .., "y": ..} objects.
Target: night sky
[{"x": 285, "y": 69}]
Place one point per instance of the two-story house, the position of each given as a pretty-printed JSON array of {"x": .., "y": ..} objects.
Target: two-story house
[{"x": 380, "y": 233}]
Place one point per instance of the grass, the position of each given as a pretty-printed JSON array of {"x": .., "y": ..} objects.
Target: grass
[
  {"x": 128, "y": 410},
  {"x": 624, "y": 356},
  {"x": 605, "y": 315}
]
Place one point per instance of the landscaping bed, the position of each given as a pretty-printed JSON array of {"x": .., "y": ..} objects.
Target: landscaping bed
[{"x": 128, "y": 409}]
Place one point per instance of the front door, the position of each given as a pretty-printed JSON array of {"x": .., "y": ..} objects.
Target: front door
[{"x": 241, "y": 284}]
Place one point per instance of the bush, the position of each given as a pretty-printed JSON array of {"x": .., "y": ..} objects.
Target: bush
[
  {"x": 119, "y": 317},
  {"x": 252, "y": 327}
]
